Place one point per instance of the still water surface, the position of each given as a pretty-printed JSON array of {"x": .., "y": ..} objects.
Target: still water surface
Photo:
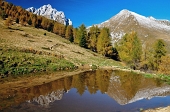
[{"x": 93, "y": 91}]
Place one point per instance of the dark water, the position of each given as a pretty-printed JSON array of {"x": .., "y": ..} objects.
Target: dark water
[{"x": 93, "y": 91}]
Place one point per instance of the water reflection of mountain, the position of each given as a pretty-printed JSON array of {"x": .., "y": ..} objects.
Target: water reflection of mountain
[
  {"x": 134, "y": 88},
  {"x": 121, "y": 86},
  {"x": 93, "y": 81},
  {"x": 124, "y": 87},
  {"x": 49, "y": 98}
]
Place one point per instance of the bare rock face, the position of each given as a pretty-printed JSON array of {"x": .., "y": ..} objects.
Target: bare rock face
[{"x": 51, "y": 13}]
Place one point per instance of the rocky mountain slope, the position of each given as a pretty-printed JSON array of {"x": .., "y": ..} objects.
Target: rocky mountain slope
[
  {"x": 51, "y": 13},
  {"x": 148, "y": 28}
]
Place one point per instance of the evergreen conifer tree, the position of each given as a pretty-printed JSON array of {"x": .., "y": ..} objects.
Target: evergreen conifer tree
[
  {"x": 82, "y": 36},
  {"x": 159, "y": 51}
]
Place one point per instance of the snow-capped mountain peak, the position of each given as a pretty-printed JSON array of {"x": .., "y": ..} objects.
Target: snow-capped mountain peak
[
  {"x": 124, "y": 12},
  {"x": 49, "y": 6},
  {"x": 51, "y": 13},
  {"x": 152, "y": 18},
  {"x": 127, "y": 21},
  {"x": 150, "y": 22}
]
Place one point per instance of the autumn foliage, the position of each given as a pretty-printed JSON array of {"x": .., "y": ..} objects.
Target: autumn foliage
[
  {"x": 164, "y": 66},
  {"x": 97, "y": 40},
  {"x": 130, "y": 49},
  {"x": 23, "y": 17}
]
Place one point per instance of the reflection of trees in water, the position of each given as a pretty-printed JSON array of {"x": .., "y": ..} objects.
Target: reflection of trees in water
[
  {"x": 92, "y": 81},
  {"x": 130, "y": 82},
  {"x": 68, "y": 82},
  {"x": 102, "y": 80},
  {"x": 79, "y": 83},
  {"x": 128, "y": 87}
]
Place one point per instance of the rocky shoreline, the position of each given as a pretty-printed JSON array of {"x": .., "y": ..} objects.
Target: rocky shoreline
[{"x": 160, "y": 109}]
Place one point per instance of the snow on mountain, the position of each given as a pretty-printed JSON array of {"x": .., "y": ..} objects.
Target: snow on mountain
[
  {"x": 126, "y": 21},
  {"x": 51, "y": 13},
  {"x": 150, "y": 22},
  {"x": 31, "y": 9}
]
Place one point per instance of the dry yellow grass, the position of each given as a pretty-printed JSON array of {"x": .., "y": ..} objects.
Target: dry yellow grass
[{"x": 22, "y": 37}]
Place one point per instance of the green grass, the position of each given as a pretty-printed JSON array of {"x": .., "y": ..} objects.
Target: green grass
[
  {"x": 93, "y": 67},
  {"x": 163, "y": 77},
  {"x": 15, "y": 62},
  {"x": 147, "y": 75}
]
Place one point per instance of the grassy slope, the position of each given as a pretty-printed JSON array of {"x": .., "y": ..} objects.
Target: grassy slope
[{"x": 15, "y": 42}]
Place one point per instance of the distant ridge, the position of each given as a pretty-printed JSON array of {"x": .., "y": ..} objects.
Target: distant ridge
[{"x": 51, "y": 13}]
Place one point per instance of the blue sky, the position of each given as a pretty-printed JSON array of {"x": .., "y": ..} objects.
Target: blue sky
[{"x": 91, "y": 12}]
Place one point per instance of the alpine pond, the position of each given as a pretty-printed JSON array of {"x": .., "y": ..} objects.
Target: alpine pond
[{"x": 92, "y": 91}]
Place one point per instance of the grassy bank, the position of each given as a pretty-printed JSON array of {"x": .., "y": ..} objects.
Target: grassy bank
[
  {"x": 15, "y": 62},
  {"x": 164, "y": 78}
]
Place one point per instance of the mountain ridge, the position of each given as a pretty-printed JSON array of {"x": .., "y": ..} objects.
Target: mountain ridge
[
  {"x": 127, "y": 13},
  {"x": 51, "y": 13},
  {"x": 127, "y": 21}
]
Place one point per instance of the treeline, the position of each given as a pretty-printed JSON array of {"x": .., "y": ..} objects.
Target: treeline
[
  {"x": 143, "y": 56},
  {"x": 98, "y": 40}
]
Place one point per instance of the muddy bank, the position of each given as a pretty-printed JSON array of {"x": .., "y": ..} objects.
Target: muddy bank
[{"x": 33, "y": 80}]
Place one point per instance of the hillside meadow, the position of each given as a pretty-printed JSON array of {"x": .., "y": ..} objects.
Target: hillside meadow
[{"x": 27, "y": 49}]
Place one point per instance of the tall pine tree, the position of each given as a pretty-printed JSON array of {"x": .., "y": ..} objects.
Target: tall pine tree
[
  {"x": 82, "y": 36},
  {"x": 130, "y": 48},
  {"x": 104, "y": 46},
  {"x": 159, "y": 51},
  {"x": 93, "y": 36}
]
